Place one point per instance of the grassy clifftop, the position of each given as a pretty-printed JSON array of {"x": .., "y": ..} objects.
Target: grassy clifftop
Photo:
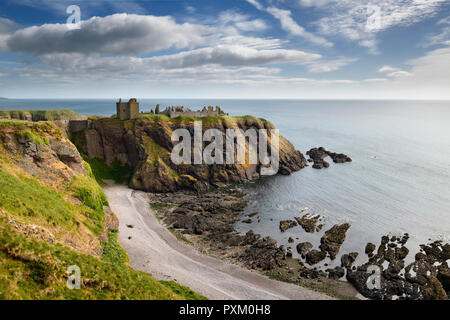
[
  {"x": 40, "y": 115},
  {"x": 52, "y": 216}
]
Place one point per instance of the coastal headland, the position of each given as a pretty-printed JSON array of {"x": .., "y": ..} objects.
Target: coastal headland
[{"x": 197, "y": 205}]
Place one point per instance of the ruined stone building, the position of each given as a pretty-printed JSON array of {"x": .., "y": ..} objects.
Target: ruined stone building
[
  {"x": 127, "y": 110},
  {"x": 179, "y": 111}
]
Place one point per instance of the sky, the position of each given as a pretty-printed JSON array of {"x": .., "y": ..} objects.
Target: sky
[{"x": 237, "y": 49}]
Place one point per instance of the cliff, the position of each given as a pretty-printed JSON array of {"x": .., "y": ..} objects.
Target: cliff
[
  {"x": 144, "y": 144},
  {"x": 39, "y": 115},
  {"x": 54, "y": 214}
]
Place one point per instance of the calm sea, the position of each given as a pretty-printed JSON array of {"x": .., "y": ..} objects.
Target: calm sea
[{"x": 399, "y": 180}]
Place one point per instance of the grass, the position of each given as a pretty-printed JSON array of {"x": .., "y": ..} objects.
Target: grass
[
  {"x": 90, "y": 194},
  {"x": 36, "y": 139},
  {"x": 112, "y": 251},
  {"x": 31, "y": 269},
  {"x": 116, "y": 171},
  {"x": 26, "y": 197},
  {"x": 40, "y": 115}
]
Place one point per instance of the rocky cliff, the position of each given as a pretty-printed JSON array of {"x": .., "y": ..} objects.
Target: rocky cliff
[{"x": 145, "y": 145}]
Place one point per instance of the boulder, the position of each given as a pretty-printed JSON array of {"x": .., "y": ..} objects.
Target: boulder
[
  {"x": 332, "y": 240},
  {"x": 303, "y": 248},
  {"x": 315, "y": 256},
  {"x": 287, "y": 224}
]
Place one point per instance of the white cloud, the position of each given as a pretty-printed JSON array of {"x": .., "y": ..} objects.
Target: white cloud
[
  {"x": 256, "y": 4},
  {"x": 442, "y": 38},
  {"x": 289, "y": 25},
  {"x": 394, "y": 72},
  {"x": 357, "y": 20},
  {"x": 331, "y": 65},
  {"x": 7, "y": 27},
  {"x": 123, "y": 34},
  {"x": 241, "y": 21}
]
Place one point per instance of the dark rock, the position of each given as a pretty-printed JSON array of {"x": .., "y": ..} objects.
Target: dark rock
[
  {"x": 303, "y": 248},
  {"x": 336, "y": 273},
  {"x": 287, "y": 224},
  {"x": 401, "y": 253},
  {"x": 332, "y": 240},
  {"x": 309, "y": 222},
  {"x": 348, "y": 259},
  {"x": 291, "y": 240},
  {"x": 315, "y": 256},
  {"x": 370, "y": 247}
]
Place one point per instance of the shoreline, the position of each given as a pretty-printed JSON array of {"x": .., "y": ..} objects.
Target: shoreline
[{"x": 154, "y": 249}]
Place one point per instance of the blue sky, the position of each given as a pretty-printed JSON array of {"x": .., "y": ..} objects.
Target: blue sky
[{"x": 306, "y": 49}]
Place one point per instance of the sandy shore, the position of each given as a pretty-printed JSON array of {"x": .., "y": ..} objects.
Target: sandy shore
[{"x": 154, "y": 249}]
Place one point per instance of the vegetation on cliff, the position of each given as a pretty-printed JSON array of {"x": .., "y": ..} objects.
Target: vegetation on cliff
[
  {"x": 40, "y": 115},
  {"x": 54, "y": 214}
]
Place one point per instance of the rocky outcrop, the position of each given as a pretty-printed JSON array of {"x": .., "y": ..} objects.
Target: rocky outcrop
[
  {"x": 425, "y": 278},
  {"x": 318, "y": 155},
  {"x": 333, "y": 239},
  {"x": 287, "y": 224},
  {"x": 42, "y": 151},
  {"x": 315, "y": 256},
  {"x": 145, "y": 145},
  {"x": 303, "y": 248},
  {"x": 309, "y": 222},
  {"x": 211, "y": 215}
]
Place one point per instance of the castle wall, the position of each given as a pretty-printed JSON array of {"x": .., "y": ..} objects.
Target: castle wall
[{"x": 79, "y": 125}]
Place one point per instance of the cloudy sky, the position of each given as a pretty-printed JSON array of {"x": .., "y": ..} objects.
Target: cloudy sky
[{"x": 306, "y": 49}]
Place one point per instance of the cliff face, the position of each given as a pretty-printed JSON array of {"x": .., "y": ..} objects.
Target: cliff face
[{"x": 145, "y": 145}]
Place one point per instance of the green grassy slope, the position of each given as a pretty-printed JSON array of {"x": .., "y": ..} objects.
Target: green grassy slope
[{"x": 34, "y": 267}]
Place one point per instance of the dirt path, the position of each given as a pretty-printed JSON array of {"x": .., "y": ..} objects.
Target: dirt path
[{"x": 153, "y": 249}]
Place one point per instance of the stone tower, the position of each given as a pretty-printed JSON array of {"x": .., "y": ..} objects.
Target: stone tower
[{"x": 127, "y": 110}]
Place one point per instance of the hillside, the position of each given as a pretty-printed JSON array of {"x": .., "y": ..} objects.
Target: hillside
[
  {"x": 40, "y": 115},
  {"x": 53, "y": 214},
  {"x": 142, "y": 147}
]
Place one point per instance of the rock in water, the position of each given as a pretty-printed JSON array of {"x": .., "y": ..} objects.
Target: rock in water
[
  {"x": 309, "y": 222},
  {"x": 332, "y": 239},
  {"x": 303, "y": 248},
  {"x": 315, "y": 256},
  {"x": 287, "y": 224}
]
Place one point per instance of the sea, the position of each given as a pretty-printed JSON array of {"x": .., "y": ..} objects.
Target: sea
[{"x": 398, "y": 182}]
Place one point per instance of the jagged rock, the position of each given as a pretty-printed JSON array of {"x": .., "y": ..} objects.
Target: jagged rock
[
  {"x": 401, "y": 252},
  {"x": 303, "y": 248},
  {"x": 263, "y": 254},
  {"x": 370, "y": 247},
  {"x": 315, "y": 256},
  {"x": 309, "y": 222},
  {"x": 339, "y": 157},
  {"x": 348, "y": 259},
  {"x": 332, "y": 240},
  {"x": 434, "y": 290},
  {"x": 287, "y": 224}
]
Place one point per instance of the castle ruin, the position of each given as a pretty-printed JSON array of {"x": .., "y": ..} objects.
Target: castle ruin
[
  {"x": 174, "y": 112},
  {"x": 127, "y": 110},
  {"x": 130, "y": 110}
]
